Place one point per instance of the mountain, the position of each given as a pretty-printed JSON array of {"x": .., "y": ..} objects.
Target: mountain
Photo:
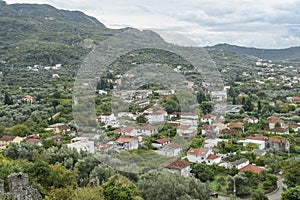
[
  {"x": 41, "y": 34},
  {"x": 292, "y": 53}
]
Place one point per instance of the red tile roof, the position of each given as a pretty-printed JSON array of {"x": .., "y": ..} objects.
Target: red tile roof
[
  {"x": 212, "y": 157},
  {"x": 257, "y": 137},
  {"x": 162, "y": 140},
  {"x": 175, "y": 163},
  {"x": 236, "y": 125},
  {"x": 252, "y": 168},
  {"x": 278, "y": 130},
  {"x": 184, "y": 127},
  {"x": 198, "y": 151},
  {"x": 124, "y": 139},
  {"x": 275, "y": 120},
  {"x": 7, "y": 138},
  {"x": 208, "y": 116},
  {"x": 277, "y": 140}
]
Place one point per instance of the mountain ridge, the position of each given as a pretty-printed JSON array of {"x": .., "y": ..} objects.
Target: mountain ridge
[{"x": 290, "y": 53}]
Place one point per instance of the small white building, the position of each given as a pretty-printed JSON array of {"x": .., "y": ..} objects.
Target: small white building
[
  {"x": 88, "y": 146},
  {"x": 208, "y": 118},
  {"x": 170, "y": 150},
  {"x": 261, "y": 144},
  {"x": 157, "y": 117},
  {"x": 177, "y": 165}
]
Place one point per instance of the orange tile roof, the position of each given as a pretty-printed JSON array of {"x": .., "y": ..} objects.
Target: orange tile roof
[
  {"x": 275, "y": 120},
  {"x": 124, "y": 139},
  {"x": 198, "y": 151},
  {"x": 175, "y": 163},
  {"x": 236, "y": 125},
  {"x": 7, "y": 138},
  {"x": 252, "y": 168},
  {"x": 277, "y": 140},
  {"x": 257, "y": 137},
  {"x": 212, "y": 157},
  {"x": 162, "y": 140}
]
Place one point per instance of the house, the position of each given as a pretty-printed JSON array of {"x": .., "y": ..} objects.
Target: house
[
  {"x": 236, "y": 125},
  {"x": 259, "y": 153},
  {"x": 104, "y": 147},
  {"x": 210, "y": 129},
  {"x": 239, "y": 164},
  {"x": 189, "y": 115},
  {"x": 88, "y": 146},
  {"x": 206, "y": 155},
  {"x": 219, "y": 95},
  {"x": 257, "y": 137},
  {"x": 157, "y": 117},
  {"x": 57, "y": 138},
  {"x": 160, "y": 143},
  {"x": 295, "y": 99},
  {"x": 108, "y": 119},
  {"x": 278, "y": 144},
  {"x": 295, "y": 126},
  {"x": 27, "y": 99},
  {"x": 279, "y": 130},
  {"x": 33, "y": 141},
  {"x": 127, "y": 142},
  {"x": 62, "y": 129},
  {"x": 252, "y": 120},
  {"x": 146, "y": 130},
  {"x": 260, "y": 144},
  {"x": 195, "y": 155},
  {"x": 252, "y": 168},
  {"x": 7, "y": 139},
  {"x": 128, "y": 130},
  {"x": 273, "y": 122},
  {"x": 184, "y": 129},
  {"x": 208, "y": 118},
  {"x": 231, "y": 131},
  {"x": 79, "y": 139},
  {"x": 177, "y": 165},
  {"x": 171, "y": 149}
]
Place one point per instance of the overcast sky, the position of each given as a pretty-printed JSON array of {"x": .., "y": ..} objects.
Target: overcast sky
[{"x": 257, "y": 23}]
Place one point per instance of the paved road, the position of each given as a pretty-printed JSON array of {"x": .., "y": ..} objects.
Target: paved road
[
  {"x": 277, "y": 195},
  {"x": 274, "y": 196}
]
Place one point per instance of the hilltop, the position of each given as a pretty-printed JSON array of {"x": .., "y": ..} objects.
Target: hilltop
[{"x": 292, "y": 53}]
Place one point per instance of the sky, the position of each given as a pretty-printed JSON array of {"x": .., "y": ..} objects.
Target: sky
[{"x": 252, "y": 23}]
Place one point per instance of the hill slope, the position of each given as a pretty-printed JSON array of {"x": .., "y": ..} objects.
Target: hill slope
[{"x": 292, "y": 53}]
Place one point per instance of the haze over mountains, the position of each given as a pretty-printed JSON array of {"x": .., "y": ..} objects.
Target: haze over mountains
[{"x": 23, "y": 25}]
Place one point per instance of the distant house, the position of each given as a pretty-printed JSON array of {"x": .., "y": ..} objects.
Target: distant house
[
  {"x": 252, "y": 168},
  {"x": 273, "y": 121},
  {"x": 146, "y": 130},
  {"x": 57, "y": 138},
  {"x": 279, "y": 130},
  {"x": 210, "y": 129},
  {"x": 6, "y": 140},
  {"x": 261, "y": 144},
  {"x": 88, "y": 146},
  {"x": 27, "y": 99},
  {"x": 62, "y": 129},
  {"x": 252, "y": 120},
  {"x": 295, "y": 99},
  {"x": 236, "y": 125},
  {"x": 295, "y": 126},
  {"x": 184, "y": 129},
  {"x": 128, "y": 130},
  {"x": 157, "y": 117},
  {"x": 171, "y": 149},
  {"x": 104, "y": 147},
  {"x": 219, "y": 95},
  {"x": 239, "y": 164},
  {"x": 177, "y": 165},
  {"x": 189, "y": 115},
  {"x": 208, "y": 118},
  {"x": 34, "y": 141},
  {"x": 196, "y": 155},
  {"x": 107, "y": 119},
  {"x": 160, "y": 143},
  {"x": 127, "y": 142},
  {"x": 278, "y": 144}
]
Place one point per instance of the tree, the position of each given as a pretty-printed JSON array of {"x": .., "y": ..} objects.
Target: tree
[
  {"x": 203, "y": 172},
  {"x": 291, "y": 194},
  {"x": 164, "y": 185},
  {"x": 102, "y": 173},
  {"x": 141, "y": 119},
  {"x": 119, "y": 188},
  {"x": 197, "y": 142},
  {"x": 258, "y": 195},
  {"x": 8, "y": 100},
  {"x": 206, "y": 107},
  {"x": 20, "y": 130}
]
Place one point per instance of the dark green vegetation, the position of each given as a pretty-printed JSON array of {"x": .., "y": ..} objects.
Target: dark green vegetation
[{"x": 292, "y": 53}]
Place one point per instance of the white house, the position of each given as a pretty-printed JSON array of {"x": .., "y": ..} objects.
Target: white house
[
  {"x": 108, "y": 119},
  {"x": 218, "y": 95},
  {"x": 88, "y": 146},
  {"x": 171, "y": 149},
  {"x": 160, "y": 143},
  {"x": 208, "y": 118},
  {"x": 260, "y": 143},
  {"x": 185, "y": 129},
  {"x": 239, "y": 164},
  {"x": 157, "y": 117},
  {"x": 146, "y": 130},
  {"x": 128, "y": 130},
  {"x": 127, "y": 142},
  {"x": 189, "y": 115},
  {"x": 177, "y": 165}
]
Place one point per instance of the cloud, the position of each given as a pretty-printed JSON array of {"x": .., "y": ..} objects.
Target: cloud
[{"x": 268, "y": 24}]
